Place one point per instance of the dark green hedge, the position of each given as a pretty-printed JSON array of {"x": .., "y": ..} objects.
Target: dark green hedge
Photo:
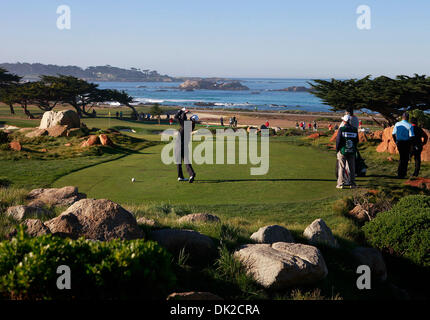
[
  {"x": 99, "y": 270},
  {"x": 404, "y": 230}
]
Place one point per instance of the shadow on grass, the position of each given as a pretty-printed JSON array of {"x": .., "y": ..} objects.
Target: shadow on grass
[{"x": 262, "y": 180}]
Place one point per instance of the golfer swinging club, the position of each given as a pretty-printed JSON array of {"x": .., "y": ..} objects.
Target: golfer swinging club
[{"x": 181, "y": 117}]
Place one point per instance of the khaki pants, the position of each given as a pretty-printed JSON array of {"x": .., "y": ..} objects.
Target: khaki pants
[{"x": 346, "y": 169}]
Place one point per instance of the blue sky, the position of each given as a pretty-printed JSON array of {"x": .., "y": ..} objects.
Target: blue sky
[{"x": 234, "y": 38}]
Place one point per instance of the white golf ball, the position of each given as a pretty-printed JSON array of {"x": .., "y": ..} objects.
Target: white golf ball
[{"x": 133, "y": 179}]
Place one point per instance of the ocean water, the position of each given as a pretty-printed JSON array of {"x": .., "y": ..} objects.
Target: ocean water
[{"x": 258, "y": 97}]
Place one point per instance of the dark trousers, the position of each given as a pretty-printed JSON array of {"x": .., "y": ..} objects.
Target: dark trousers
[
  {"x": 416, "y": 153},
  {"x": 404, "y": 148},
  {"x": 189, "y": 170},
  {"x": 189, "y": 167}
]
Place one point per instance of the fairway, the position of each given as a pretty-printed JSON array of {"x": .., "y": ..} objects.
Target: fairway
[{"x": 296, "y": 174}]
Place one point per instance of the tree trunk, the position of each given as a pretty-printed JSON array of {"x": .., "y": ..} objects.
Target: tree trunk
[
  {"x": 27, "y": 113},
  {"x": 135, "y": 115}
]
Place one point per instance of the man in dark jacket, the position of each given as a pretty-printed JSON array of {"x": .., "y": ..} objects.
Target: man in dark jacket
[
  {"x": 403, "y": 134},
  {"x": 181, "y": 117},
  {"x": 418, "y": 142},
  {"x": 346, "y": 148}
]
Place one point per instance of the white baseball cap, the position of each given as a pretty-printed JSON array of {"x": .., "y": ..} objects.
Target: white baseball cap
[
  {"x": 346, "y": 118},
  {"x": 184, "y": 109}
]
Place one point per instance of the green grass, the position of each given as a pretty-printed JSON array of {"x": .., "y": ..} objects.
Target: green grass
[{"x": 299, "y": 188}]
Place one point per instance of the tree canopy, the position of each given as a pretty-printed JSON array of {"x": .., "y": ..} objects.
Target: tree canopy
[
  {"x": 49, "y": 91},
  {"x": 386, "y": 96}
]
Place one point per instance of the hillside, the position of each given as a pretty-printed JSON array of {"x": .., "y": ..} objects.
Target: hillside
[{"x": 31, "y": 71}]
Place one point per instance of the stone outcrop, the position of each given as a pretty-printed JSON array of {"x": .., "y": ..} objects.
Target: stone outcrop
[
  {"x": 147, "y": 222},
  {"x": 281, "y": 265},
  {"x": 22, "y": 212},
  {"x": 36, "y": 133},
  {"x": 272, "y": 234},
  {"x": 319, "y": 233},
  {"x": 198, "y": 246},
  {"x": 57, "y": 131},
  {"x": 209, "y": 84},
  {"x": 199, "y": 218},
  {"x": 15, "y": 145},
  {"x": 91, "y": 141},
  {"x": 105, "y": 140},
  {"x": 68, "y": 118},
  {"x": 294, "y": 89},
  {"x": 99, "y": 219},
  {"x": 65, "y": 196},
  {"x": 388, "y": 144},
  {"x": 373, "y": 258},
  {"x": 35, "y": 228}
]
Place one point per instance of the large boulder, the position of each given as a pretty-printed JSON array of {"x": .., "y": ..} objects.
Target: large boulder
[
  {"x": 387, "y": 144},
  {"x": 22, "y": 212},
  {"x": 99, "y": 219},
  {"x": 105, "y": 140},
  {"x": 281, "y": 264},
  {"x": 373, "y": 258},
  {"x": 272, "y": 234},
  {"x": 319, "y": 233},
  {"x": 55, "y": 196},
  {"x": 199, "y": 218},
  {"x": 67, "y": 118},
  {"x": 15, "y": 145},
  {"x": 91, "y": 141},
  {"x": 199, "y": 247}
]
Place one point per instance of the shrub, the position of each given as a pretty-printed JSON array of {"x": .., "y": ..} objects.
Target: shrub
[
  {"x": 4, "y": 137},
  {"x": 403, "y": 230},
  {"x": 99, "y": 270}
]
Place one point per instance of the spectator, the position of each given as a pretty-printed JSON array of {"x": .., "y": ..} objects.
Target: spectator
[
  {"x": 221, "y": 120},
  {"x": 403, "y": 133},
  {"x": 418, "y": 142}
]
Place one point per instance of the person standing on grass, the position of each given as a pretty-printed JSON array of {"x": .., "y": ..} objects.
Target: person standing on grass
[
  {"x": 346, "y": 148},
  {"x": 267, "y": 124},
  {"x": 315, "y": 125},
  {"x": 403, "y": 133},
  {"x": 221, "y": 120},
  {"x": 181, "y": 117},
  {"x": 418, "y": 142}
]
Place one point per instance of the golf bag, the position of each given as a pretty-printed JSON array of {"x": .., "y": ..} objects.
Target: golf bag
[{"x": 360, "y": 166}]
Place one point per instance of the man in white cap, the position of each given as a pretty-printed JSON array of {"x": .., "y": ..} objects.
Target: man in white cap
[
  {"x": 346, "y": 148},
  {"x": 181, "y": 117}
]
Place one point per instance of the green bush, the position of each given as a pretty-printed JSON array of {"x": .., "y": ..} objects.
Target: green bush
[
  {"x": 404, "y": 230},
  {"x": 4, "y": 137},
  {"x": 99, "y": 270}
]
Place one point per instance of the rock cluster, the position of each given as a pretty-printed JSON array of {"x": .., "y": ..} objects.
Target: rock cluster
[{"x": 209, "y": 84}]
